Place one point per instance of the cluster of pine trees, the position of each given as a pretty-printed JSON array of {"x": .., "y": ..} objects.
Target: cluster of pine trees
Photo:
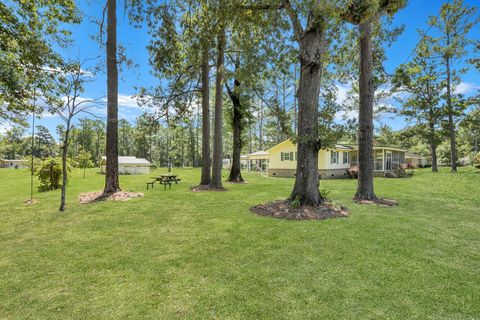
[{"x": 237, "y": 76}]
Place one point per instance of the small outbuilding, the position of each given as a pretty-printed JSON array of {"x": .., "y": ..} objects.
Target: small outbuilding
[
  {"x": 13, "y": 164},
  {"x": 416, "y": 160},
  {"x": 128, "y": 165}
]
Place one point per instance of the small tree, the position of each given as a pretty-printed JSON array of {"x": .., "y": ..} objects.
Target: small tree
[
  {"x": 70, "y": 85},
  {"x": 84, "y": 160}
]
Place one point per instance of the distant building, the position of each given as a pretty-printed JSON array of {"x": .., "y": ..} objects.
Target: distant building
[
  {"x": 13, "y": 164},
  {"x": 128, "y": 165},
  {"x": 416, "y": 160},
  {"x": 333, "y": 162}
]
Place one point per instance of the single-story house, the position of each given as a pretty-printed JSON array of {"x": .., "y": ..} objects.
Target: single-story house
[
  {"x": 333, "y": 162},
  {"x": 256, "y": 161},
  {"x": 416, "y": 160},
  {"x": 128, "y": 165},
  {"x": 14, "y": 164}
]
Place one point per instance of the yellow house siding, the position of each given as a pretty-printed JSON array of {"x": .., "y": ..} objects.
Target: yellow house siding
[
  {"x": 288, "y": 146},
  {"x": 275, "y": 160}
]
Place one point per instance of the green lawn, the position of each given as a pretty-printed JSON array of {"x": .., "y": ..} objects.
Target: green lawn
[{"x": 181, "y": 255}]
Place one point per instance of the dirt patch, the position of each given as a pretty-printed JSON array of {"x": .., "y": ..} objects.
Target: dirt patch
[
  {"x": 282, "y": 209},
  {"x": 89, "y": 197},
  {"x": 204, "y": 188},
  {"x": 237, "y": 182},
  {"x": 31, "y": 201},
  {"x": 379, "y": 202}
]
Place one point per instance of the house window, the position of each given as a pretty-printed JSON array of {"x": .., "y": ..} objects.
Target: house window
[
  {"x": 287, "y": 156},
  {"x": 346, "y": 157},
  {"x": 333, "y": 157},
  {"x": 378, "y": 157}
]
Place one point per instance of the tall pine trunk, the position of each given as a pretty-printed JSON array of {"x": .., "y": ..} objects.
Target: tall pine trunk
[
  {"x": 112, "y": 183},
  {"x": 306, "y": 187},
  {"x": 433, "y": 145},
  {"x": 451, "y": 123},
  {"x": 235, "y": 170},
  {"x": 206, "y": 163},
  {"x": 433, "y": 150},
  {"x": 218, "y": 130},
  {"x": 365, "y": 117}
]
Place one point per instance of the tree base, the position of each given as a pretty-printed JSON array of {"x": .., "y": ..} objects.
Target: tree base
[
  {"x": 237, "y": 180},
  {"x": 94, "y": 196},
  {"x": 31, "y": 201},
  {"x": 283, "y": 209},
  {"x": 377, "y": 201},
  {"x": 206, "y": 187}
]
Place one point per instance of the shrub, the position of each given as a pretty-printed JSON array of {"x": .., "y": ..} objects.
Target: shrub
[
  {"x": 399, "y": 171},
  {"x": 325, "y": 192},
  {"x": 49, "y": 172},
  {"x": 476, "y": 160},
  {"x": 409, "y": 169},
  {"x": 295, "y": 203}
]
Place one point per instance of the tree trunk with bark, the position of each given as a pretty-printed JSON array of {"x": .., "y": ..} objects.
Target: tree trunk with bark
[
  {"x": 451, "y": 124},
  {"x": 218, "y": 130},
  {"x": 433, "y": 150},
  {"x": 112, "y": 183},
  {"x": 235, "y": 170},
  {"x": 64, "y": 168},
  {"x": 312, "y": 48},
  {"x": 365, "y": 190},
  {"x": 206, "y": 163},
  {"x": 433, "y": 145}
]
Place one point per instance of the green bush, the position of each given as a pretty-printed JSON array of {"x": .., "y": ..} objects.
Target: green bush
[
  {"x": 476, "y": 160},
  {"x": 49, "y": 172},
  {"x": 325, "y": 192},
  {"x": 295, "y": 203}
]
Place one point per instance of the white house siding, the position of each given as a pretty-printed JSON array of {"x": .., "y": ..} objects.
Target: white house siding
[
  {"x": 129, "y": 170},
  {"x": 129, "y": 165}
]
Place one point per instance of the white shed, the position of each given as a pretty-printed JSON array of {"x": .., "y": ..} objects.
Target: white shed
[
  {"x": 16, "y": 164},
  {"x": 129, "y": 165}
]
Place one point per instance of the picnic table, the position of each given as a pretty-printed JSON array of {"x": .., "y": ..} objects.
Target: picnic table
[
  {"x": 165, "y": 179},
  {"x": 169, "y": 177}
]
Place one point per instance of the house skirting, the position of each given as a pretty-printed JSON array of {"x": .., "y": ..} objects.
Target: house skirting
[{"x": 324, "y": 173}]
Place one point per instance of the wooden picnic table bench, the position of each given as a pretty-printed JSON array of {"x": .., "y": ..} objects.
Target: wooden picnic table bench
[{"x": 165, "y": 179}]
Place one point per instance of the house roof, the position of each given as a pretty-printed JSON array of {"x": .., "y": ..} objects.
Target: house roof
[
  {"x": 413, "y": 155},
  {"x": 130, "y": 160},
  {"x": 13, "y": 160},
  {"x": 345, "y": 146},
  {"x": 258, "y": 153}
]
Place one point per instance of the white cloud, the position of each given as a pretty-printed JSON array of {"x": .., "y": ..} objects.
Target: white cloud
[
  {"x": 466, "y": 87},
  {"x": 4, "y": 127},
  {"x": 127, "y": 101},
  {"x": 342, "y": 92}
]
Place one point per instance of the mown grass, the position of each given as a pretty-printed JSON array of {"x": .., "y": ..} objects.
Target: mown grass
[{"x": 181, "y": 255}]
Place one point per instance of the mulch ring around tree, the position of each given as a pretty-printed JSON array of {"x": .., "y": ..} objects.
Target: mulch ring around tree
[
  {"x": 203, "y": 188},
  {"x": 31, "y": 201},
  {"x": 283, "y": 209},
  {"x": 89, "y": 197},
  {"x": 379, "y": 202}
]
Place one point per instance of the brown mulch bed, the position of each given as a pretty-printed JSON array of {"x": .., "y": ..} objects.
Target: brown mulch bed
[
  {"x": 237, "y": 182},
  {"x": 203, "y": 188},
  {"x": 31, "y": 201},
  {"x": 89, "y": 197},
  {"x": 282, "y": 209},
  {"x": 379, "y": 202}
]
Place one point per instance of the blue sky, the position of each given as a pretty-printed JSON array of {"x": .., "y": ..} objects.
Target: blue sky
[{"x": 414, "y": 17}]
